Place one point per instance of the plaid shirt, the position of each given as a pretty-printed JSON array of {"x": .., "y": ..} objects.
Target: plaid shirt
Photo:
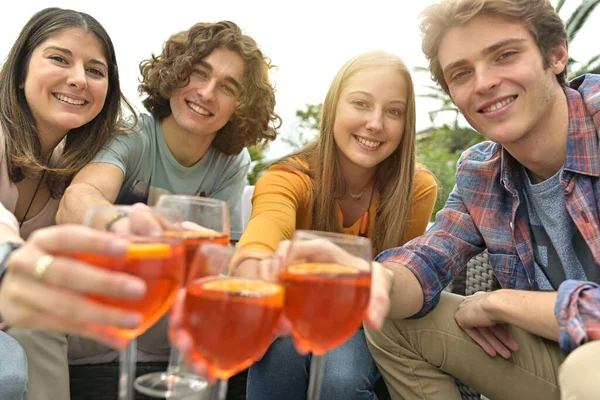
[{"x": 486, "y": 209}]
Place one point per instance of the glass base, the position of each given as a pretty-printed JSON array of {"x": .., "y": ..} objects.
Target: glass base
[{"x": 163, "y": 384}]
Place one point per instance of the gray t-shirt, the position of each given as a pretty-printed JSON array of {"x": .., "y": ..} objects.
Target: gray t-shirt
[
  {"x": 559, "y": 248},
  {"x": 151, "y": 170}
]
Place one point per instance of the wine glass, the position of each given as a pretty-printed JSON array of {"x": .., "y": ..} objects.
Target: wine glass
[
  {"x": 230, "y": 321},
  {"x": 205, "y": 221},
  {"x": 158, "y": 260},
  {"x": 327, "y": 281}
]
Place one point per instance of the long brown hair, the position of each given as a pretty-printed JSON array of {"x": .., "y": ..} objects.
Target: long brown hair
[
  {"x": 23, "y": 144},
  {"x": 538, "y": 16},
  {"x": 394, "y": 175},
  {"x": 254, "y": 120}
]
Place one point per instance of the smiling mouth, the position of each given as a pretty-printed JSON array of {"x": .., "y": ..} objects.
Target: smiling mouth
[
  {"x": 66, "y": 99},
  {"x": 368, "y": 143},
  {"x": 499, "y": 105},
  {"x": 199, "y": 110}
]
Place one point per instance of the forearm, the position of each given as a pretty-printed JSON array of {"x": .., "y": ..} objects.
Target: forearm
[
  {"x": 406, "y": 294},
  {"x": 75, "y": 203},
  {"x": 530, "y": 311}
]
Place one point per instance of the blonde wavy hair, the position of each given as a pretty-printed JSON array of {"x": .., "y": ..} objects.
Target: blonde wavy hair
[
  {"x": 394, "y": 177},
  {"x": 254, "y": 120}
]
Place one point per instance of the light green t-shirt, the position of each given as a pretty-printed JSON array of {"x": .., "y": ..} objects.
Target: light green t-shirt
[{"x": 151, "y": 170}]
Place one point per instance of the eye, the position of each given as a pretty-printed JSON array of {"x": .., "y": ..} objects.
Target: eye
[
  {"x": 396, "y": 112},
  {"x": 228, "y": 89},
  {"x": 58, "y": 58},
  {"x": 459, "y": 75},
  {"x": 506, "y": 55},
  {"x": 360, "y": 103},
  {"x": 200, "y": 73},
  {"x": 96, "y": 71}
]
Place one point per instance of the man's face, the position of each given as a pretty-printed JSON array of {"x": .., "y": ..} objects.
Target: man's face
[
  {"x": 495, "y": 73},
  {"x": 208, "y": 101}
]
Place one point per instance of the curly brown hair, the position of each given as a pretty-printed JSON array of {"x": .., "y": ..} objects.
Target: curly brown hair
[{"x": 254, "y": 120}]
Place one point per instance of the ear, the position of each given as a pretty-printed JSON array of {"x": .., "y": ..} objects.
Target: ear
[
  {"x": 21, "y": 85},
  {"x": 559, "y": 58}
]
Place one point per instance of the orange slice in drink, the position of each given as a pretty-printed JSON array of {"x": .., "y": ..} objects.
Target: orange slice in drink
[
  {"x": 243, "y": 286},
  {"x": 321, "y": 268},
  {"x": 142, "y": 251}
]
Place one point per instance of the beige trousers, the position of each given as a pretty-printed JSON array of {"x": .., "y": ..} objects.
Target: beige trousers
[
  {"x": 48, "y": 356},
  {"x": 419, "y": 359}
]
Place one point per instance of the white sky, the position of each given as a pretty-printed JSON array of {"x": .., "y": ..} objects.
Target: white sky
[{"x": 308, "y": 40}]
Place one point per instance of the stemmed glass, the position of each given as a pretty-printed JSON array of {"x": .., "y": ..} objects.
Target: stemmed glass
[
  {"x": 327, "y": 281},
  {"x": 158, "y": 260},
  {"x": 230, "y": 321},
  {"x": 205, "y": 221}
]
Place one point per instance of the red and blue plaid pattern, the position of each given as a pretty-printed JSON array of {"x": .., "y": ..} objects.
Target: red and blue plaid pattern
[{"x": 486, "y": 209}]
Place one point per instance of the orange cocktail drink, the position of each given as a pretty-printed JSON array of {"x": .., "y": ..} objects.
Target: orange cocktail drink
[
  {"x": 160, "y": 264},
  {"x": 193, "y": 242},
  {"x": 325, "y": 303},
  {"x": 231, "y": 321}
]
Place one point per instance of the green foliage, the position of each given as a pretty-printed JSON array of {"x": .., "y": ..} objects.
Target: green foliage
[
  {"x": 308, "y": 127},
  {"x": 259, "y": 164}
]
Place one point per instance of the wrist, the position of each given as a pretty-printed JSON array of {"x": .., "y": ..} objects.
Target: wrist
[{"x": 494, "y": 305}]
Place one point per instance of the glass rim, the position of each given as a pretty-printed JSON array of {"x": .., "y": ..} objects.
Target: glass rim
[
  {"x": 194, "y": 198},
  {"x": 336, "y": 236}
]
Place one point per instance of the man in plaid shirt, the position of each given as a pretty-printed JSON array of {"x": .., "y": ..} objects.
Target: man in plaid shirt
[{"x": 530, "y": 195}]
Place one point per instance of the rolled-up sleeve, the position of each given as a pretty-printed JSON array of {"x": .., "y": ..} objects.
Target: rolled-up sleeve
[{"x": 577, "y": 311}]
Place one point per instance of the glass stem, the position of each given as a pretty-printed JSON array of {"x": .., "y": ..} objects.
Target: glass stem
[
  {"x": 174, "y": 362},
  {"x": 317, "y": 368},
  {"x": 219, "y": 390},
  {"x": 127, "y": 371}
]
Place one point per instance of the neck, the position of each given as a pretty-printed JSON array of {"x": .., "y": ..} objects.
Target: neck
[
  {"x": 186, "y": 147},
  {"x": 355, "y": 177},
  {"x": 544, "y": 150},
  {"x": 48, "y": 141}
]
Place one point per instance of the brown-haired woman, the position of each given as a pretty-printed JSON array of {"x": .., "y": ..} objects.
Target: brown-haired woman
[{"x": 60, "y": 101}]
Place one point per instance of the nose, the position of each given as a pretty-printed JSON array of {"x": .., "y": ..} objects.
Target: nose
[
  {"x": 485, "y": 80},
  {"x": 207, "y": 91},
  {"x": 77, "y": 78},
  {"x": 375, "y": 121}
]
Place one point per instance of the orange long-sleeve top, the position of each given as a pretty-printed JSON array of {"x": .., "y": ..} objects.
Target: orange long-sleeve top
[{"x": 283, "y": 202}]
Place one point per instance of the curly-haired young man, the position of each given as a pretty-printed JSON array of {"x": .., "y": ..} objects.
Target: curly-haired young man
[{"x": 209, "y": 97}]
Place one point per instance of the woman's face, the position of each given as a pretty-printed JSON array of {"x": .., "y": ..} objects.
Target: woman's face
[
  {"x": 370, "y": 116},
  {"x": 67, "y": 81}
]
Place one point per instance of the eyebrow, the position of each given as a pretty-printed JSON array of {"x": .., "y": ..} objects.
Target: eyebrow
[
  {"x": 370, "y": 95},
  {"x": 70, "y": 53},
  {"x": 485, "y": 52},
  {"x": 228, "y": 78}
]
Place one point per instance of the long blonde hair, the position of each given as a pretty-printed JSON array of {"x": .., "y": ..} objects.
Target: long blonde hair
[{"x": 394, "y": 177}]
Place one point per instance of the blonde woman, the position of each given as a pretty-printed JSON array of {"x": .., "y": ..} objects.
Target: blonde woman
[{"x": 358, "y": 177}]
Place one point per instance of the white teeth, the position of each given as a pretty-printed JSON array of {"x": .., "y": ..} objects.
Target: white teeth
[
  {"x": 499, "y": 104},
  {"x": 69, "y": 100},
  {"x": 368, "y": 143},
  {"x": 198, "y": 109}
]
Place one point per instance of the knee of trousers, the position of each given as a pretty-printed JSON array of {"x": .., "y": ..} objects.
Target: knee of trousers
[
  {"x": 34, "y": 339},
  {"x": 13, "y": 367},
  {"x": 579, "y": 375}
]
